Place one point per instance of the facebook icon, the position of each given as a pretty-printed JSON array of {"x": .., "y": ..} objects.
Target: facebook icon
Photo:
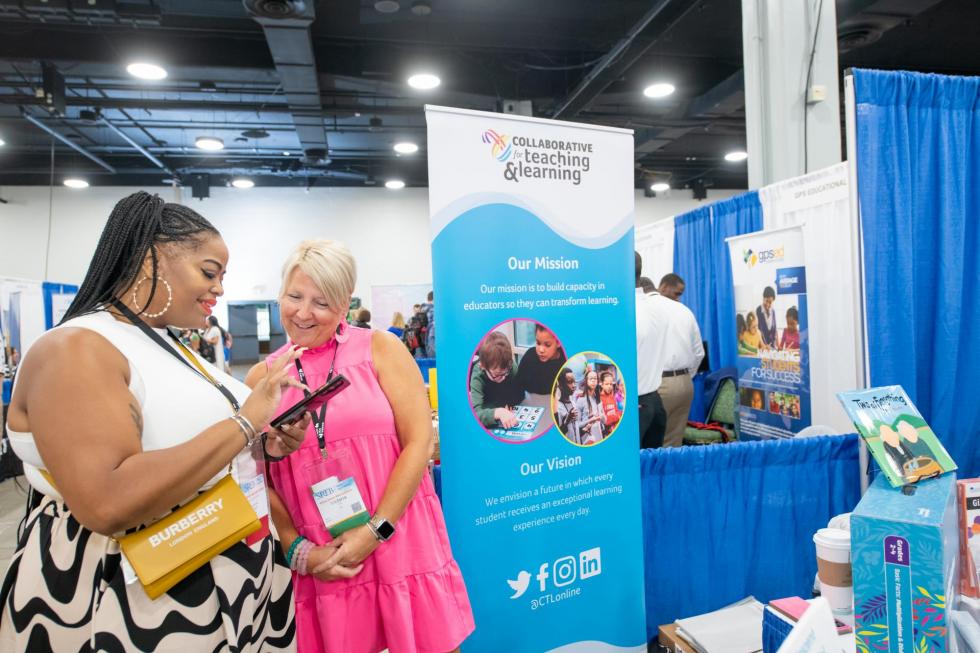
[{"x": 542, "y": 576}]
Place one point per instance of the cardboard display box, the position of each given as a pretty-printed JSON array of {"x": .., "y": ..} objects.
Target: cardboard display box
[{"x": 904, "y": 553}]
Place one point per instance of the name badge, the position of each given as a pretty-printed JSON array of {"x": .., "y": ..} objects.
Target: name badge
[
  {"x": 250, "y": 473},
  {"x": 340, "y": 504}
]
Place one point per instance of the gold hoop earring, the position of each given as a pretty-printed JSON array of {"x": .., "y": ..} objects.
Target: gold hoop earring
[{"x": 170, "y": 297}]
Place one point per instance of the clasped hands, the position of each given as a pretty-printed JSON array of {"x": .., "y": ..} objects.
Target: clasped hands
[{"x": 344, "y": 556}]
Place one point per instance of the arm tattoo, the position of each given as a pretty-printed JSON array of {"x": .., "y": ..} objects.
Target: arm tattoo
[{"x": 137, "y": 415}]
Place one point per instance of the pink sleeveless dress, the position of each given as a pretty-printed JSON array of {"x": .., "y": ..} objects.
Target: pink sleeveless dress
[{"x": 410, "y": 595}]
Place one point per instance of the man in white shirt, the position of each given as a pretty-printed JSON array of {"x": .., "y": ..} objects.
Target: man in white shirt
[
  {"x": 680, "y": 358},
  {"x": 649, "y": 367}
]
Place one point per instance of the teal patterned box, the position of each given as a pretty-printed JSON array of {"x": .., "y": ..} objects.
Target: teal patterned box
[{"x": 904, "y": 556}]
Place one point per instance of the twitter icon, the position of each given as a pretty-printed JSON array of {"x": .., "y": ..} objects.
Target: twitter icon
[{"x": 520, "y": 585}]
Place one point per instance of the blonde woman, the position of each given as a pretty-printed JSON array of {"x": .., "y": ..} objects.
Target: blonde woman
[
  {"x": 397, "y": 325},
  {"x": 390, "y": 582}
]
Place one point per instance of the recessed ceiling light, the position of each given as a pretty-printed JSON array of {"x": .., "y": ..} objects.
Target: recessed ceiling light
[
  {"x": 2, "y": 142},
  {"x": 659, "y": 90},
  {"x": 209, "y": 143},
  {"x": 285, "y": 153},
  {"x": 736, "y": 156},
  {"x": 406, "y": 148},
  {"x": 660, "y": 187},
  {"x": 424, "y": 81},
  {"x": 76, "y": 183},
  {"x": 395, "y": 184},
  {"x": 243, "y": 183},
  {"x": 387, "y": 6},
  {"x": 145, "y": 70}
]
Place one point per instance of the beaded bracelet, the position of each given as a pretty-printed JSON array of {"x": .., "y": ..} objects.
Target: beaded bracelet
[
  {"x": 292, "y": 549},
  {"x": 304, "y": 557}
]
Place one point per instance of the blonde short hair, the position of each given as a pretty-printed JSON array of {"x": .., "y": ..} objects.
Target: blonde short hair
[{"x": 331, "y": 266}]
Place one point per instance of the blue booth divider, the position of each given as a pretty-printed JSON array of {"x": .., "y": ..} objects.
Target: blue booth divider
[{"x": 725, "y": 521}]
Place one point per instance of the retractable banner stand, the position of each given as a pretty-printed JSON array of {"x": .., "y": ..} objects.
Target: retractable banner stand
[
  {"x": 532, "y": 252},
  {"x": 771, "y": 328}
]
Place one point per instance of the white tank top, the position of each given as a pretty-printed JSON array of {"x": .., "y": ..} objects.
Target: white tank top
[{"x": 177, "y": 402}]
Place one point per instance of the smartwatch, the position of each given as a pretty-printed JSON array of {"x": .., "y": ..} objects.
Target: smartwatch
[{"x": 382, "y": 528}]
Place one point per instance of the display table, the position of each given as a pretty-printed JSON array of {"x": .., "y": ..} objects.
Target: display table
[{"x": 671, "y": 642}]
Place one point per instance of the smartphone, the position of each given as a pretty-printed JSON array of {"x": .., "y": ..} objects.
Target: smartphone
[{"x": 312, "y": 402}]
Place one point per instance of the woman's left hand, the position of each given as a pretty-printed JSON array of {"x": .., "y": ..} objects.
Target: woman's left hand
[
  {"x": 353, "y": 547},
  {"x": 287, "y": 438}
]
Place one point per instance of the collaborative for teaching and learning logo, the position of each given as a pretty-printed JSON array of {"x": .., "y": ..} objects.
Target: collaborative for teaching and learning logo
[{"x": 500, "y": 145}]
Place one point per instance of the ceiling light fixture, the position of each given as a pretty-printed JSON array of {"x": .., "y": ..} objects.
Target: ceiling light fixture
[
  {"x": 424, "y": 81},
  {"x": 736, "y": 156},
  {"x": 77, "y": 184},
  {"x": 659, "y": 90},
  {"x": 243, "y": 183},
  {"x": 660, "y": 187},
  {"x": 2, "y": 142},
  {"x": 395, "y": 184},
  {"x": 285, "y": 153},
  {"x": 145, "y": 70},
  {"x": 406, "y": 148},
  {"x": 387, "y": 6},
  {"x": 209, "y": 143}
]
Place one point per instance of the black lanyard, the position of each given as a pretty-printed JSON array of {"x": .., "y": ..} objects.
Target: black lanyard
[
  {"x": 319, "y": 421},
  {"x": 158, "y": 339}
]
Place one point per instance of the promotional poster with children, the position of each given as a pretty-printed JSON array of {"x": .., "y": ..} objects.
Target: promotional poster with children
[
  {"x": 770, "y": 328},
  {"x": 532, "y": 255}
]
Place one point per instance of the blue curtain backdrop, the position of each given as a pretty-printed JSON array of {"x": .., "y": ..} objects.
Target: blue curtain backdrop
[
  {"x": 701, "y": 259},
  {"x": 723, "y": 522},
  {"x": 918, "y": 159}
]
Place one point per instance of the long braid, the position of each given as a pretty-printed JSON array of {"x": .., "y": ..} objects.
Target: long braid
[{"x": 136, "y": 225}]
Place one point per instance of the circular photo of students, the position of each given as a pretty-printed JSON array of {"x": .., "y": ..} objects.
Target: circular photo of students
[
  {"x": 510, "y": 379},
  {"x": 588, "y": 399}
]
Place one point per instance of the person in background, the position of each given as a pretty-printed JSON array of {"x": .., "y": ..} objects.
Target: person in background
[
  {"x": 589, "y": 407},
  {"x": 362, "y": 318},
  {"x": 646, "y": 285},
  {"x": 397, "y": 325},
  {"x": 566, "y": 414},
  {"x": 493, "y": 383},
  {"x": 766, "y": 316},
  {"x": 672, "y": 287},
  {"x": 391, "y": 582},
  {"x": 607, "y": 396},
  {"x": 650, "y": 345},
  {"x": 681, "y": 356},
  {"x": 791, "y": 333},
  {"x": 145, "y": 432},
  {"x": 429, "y": 308},
  {"x": 539, "y": 366},
  {"x": 215, "y": 336}
]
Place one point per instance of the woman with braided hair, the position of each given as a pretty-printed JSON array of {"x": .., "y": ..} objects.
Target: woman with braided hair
[{"x": 117, "y": 423}]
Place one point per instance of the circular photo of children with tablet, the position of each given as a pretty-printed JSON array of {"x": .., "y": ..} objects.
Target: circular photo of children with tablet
[
  {"x": 510, "y": 380},
  {"x": 588, "y": 399}
]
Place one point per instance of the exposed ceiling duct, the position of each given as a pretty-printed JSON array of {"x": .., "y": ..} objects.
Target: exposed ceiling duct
[{"x": 286, "y": 24}]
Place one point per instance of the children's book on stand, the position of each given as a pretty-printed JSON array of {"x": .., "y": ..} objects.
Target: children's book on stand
[
  {"x": 900, "y": 440},
  {"x": 527, "y": 420}
]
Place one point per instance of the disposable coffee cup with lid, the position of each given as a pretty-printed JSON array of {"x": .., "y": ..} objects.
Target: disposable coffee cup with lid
[{"x": 834, "y": 568}]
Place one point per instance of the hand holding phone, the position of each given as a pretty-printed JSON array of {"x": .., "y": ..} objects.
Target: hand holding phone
[{"x": 312, "y": 402}]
